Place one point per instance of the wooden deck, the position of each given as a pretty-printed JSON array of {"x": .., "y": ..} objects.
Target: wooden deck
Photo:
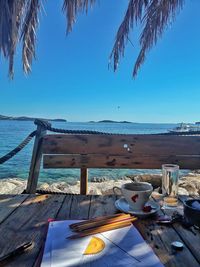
[{"x": 24, "y": 218}]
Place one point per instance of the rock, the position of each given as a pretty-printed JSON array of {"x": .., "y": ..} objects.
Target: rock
[
  {"x": 60, "y": 187},
  {"x": 190, "y": 188},
  {"x": 12, "y": 186},
  {"x": 17, "y": 182},
  {"x": 106, "y": 188},
  {"x": 183, "y": 191},
  {"x": 6, "y": 187},
  {"x": 94, "y": 180},
  {"x": 125, "y": 178},
  {"x": 99, "y": 179},
  {"x": 196, "y": 171},
  {"x": 71, "y": 182},
  {"x": 188, "y": 185},
  {"x": 191, "y": 184},
  {"x": 154, "y": 179},
  {"x": 191, "y": 174},
  {"x": 44, "y": 186}
]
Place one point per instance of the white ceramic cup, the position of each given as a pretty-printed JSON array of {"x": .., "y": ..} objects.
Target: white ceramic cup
[{"x": 136, "y": 194}]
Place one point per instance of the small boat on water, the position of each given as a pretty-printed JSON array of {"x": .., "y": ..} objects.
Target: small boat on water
[{"x": 185, "y": 128}]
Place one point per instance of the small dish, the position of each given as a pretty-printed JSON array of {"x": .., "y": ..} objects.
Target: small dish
[{"x": 122, "y": 205}]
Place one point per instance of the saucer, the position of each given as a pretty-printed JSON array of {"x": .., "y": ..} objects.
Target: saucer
[{"x": 122, "y": 205}]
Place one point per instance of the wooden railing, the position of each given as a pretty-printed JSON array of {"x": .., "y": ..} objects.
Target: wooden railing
[{"x": 111, "y": 151}]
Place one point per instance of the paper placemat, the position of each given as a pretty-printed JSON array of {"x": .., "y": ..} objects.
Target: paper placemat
[{"x": 124, "y": 247}]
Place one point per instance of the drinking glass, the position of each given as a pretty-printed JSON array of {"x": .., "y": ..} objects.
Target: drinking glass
[{"x": 170, "y": 176}]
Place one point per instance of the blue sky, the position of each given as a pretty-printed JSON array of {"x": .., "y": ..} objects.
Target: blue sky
[{"x": 70, "y": 78}]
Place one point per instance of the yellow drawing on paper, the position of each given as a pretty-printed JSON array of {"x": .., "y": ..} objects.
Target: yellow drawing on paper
[{"x": 95, "y": 246}]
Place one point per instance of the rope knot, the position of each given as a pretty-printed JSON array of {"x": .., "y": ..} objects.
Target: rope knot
[{"x": 43, "y": 123}]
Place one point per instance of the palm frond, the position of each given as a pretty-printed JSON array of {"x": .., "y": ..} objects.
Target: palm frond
[
  {"x": 132, "y": 16},
  {"x": 28, "y": 34},
  {"x": 72, "y": 7},
  {"x": 155, "y": 15},
  {"x": 11, "y": 13},
  {"x": 156, "y": 19}
]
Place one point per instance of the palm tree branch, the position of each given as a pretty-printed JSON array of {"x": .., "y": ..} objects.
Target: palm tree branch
[
  {"x": 11, "y": 15},
  {"x": 28, "y": 34},
  {"x": 72, "y": 7},
  {"x": 132, "y": 16},
  {"x": 157, "y": 17}
]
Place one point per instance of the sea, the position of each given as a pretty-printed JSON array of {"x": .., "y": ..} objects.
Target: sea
[{"x": 13, "y": 132}]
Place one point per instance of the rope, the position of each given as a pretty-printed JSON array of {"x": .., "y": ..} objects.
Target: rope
[
  {"x": 48, "y": 127},
  {"x": 41, "y": 191},
  {"x": 180, "y": 133},
  {"x": 64, "y": 131},
  {"x": 18, "y": 148},
  {"x": 56, "y": 130}
]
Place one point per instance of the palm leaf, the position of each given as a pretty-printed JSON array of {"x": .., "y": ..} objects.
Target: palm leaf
[
  {"x": 72, "y": 7},
  {"x": 11, "y": 13},
  {"x": 28, "y": 34},
  {"x": 132, "y": 16},
  {"x": 157, "y": 17}
]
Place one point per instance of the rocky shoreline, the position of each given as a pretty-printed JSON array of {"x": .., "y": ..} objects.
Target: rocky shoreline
[{"x": 188, "y": 185}]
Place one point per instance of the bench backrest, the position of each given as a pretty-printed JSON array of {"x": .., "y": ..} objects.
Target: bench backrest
[{"x": 119, "y": 151}]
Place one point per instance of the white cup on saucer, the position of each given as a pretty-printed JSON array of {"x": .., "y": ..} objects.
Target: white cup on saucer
[{"x": 136, "y": 194}]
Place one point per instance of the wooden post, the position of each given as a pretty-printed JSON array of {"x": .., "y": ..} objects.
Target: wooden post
[
  {"x": 36, "y": 157},
  {"x": 84, "y": 181}
]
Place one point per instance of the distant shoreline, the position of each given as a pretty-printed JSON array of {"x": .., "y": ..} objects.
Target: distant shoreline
[
  {"x": 24, "y": 118},
  {"x": 111, "y": 121}
]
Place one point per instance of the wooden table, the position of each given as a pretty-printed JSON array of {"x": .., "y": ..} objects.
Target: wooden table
[{"x": 24, "y": 217}]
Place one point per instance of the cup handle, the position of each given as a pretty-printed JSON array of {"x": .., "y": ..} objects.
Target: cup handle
[{"x": 117, "y": 188}]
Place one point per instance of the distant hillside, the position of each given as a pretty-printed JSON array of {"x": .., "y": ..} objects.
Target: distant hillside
[
  {"x": 23, "y": 118},
  {"x": 110, "y": 121}
]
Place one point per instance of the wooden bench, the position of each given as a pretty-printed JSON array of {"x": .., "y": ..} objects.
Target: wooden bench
[{"x": 131, "y": 151}]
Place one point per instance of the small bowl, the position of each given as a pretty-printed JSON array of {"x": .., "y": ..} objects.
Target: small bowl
[{"x": 191, "y": 214}]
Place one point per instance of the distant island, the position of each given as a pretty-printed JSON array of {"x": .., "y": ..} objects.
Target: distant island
[
  {"x": 23, "y": 118},
  {"x": 110, "y": 121}
]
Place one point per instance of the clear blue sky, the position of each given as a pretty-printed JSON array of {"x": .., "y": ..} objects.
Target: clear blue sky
[{"x": 70, "y": 78}]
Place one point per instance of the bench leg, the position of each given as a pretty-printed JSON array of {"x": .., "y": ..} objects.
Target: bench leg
[{"x": 84, "y": 181}]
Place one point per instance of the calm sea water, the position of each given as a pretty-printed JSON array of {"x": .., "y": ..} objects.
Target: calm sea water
[{"x": 13, "y": 132}]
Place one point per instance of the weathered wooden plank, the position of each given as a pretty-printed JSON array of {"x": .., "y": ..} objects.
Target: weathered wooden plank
[
  {"x": 8, "y": 203},
  {"x": 148, "y": 230},
  {"x": 80, "y": 207},
  {"x": 116, "y": 161},
  {"x": 84, "y": 181},
  {"x": 160, "y": 238},
  {"x": 28, "y": 222},
  {"x": 102, "y": 205},
  {"x": 121, "y": 144},
  {"x": 64, "y": 212},
  {"x": 191, "y": 239},
  {"x": 191, "y": 236}
]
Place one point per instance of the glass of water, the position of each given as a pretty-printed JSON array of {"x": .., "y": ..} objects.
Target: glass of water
[{"x": 170, "y": 176}]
